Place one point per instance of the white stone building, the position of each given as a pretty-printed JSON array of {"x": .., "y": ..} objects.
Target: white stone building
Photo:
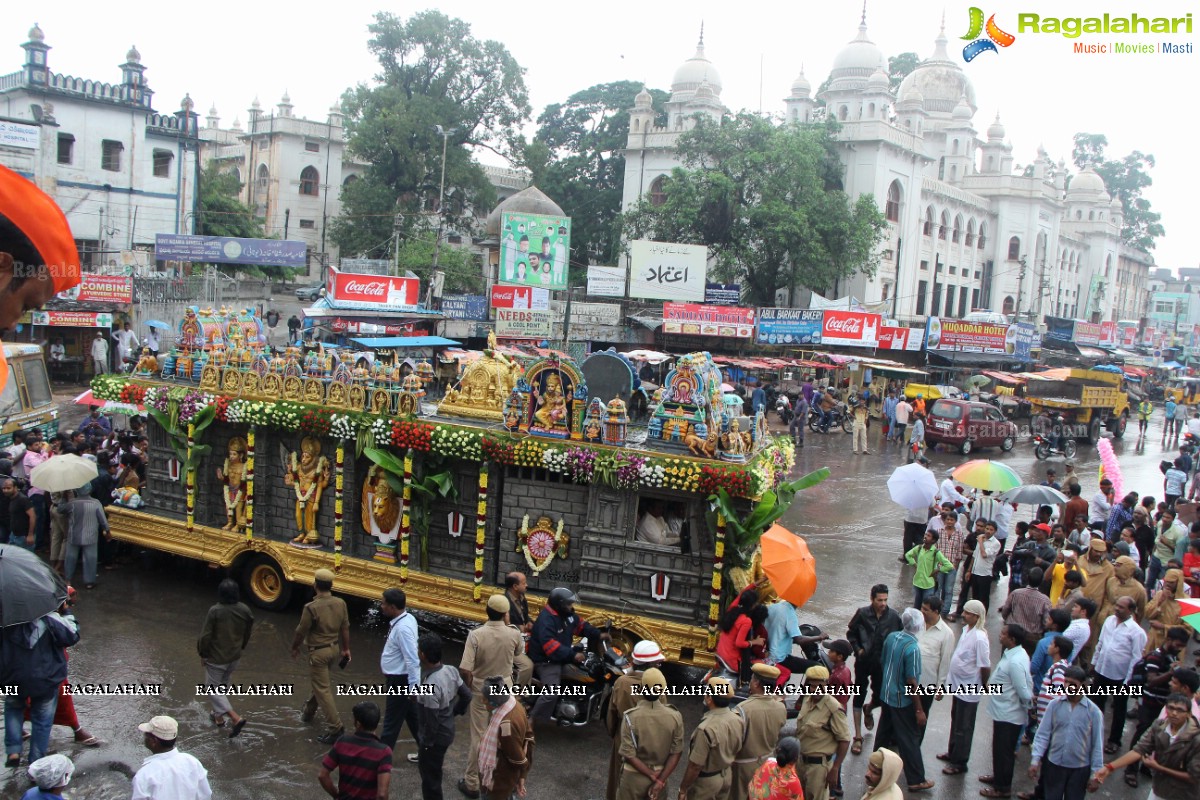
[
  {"x": 121, "y": 171},
  {"x": 966, "y": 230}
]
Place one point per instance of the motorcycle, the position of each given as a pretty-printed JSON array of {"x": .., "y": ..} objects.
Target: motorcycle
[
  {"x": 588, "y": 686},
  {"x": 783, "y": 407},
  {"x": 1189, "y": 444},
  {"x": 1043, "y": 448},
  {"x": 812, "y": 651},
  {"x": 838, "y": 416}
]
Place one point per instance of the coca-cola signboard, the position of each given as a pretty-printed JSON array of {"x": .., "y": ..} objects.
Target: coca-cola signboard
[
  {"x": 382, "y": 290},
  {"x": 521, "y": 298},
  {"x": 901, "y": 338},
  {"x": 851, "y": 329}
]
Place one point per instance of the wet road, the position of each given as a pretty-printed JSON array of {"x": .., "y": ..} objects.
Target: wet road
[{"x": 141, "y": 624}]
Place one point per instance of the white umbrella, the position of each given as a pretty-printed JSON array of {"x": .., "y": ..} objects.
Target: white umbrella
[
  {"x": 63, "y": 473},
  {"x": 912, "y": 486},
  {"x": 1034, "y": 496}
]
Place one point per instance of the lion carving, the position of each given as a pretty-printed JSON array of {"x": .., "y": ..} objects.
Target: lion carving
[{"x": 702, "y": 447}]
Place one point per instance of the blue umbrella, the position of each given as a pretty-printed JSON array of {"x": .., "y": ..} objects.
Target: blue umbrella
[{"x": 157, "y": 323}]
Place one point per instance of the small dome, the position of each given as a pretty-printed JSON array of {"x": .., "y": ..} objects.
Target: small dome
[
  {"x": 256, "y": 105},
  {"x": 801, "y": 87},
  {"x": 705, "y": 92},
  {"x": 941, "y": 80},
  {"x": 212, "y": 112},
  {"x": 912, "y": 98},
  {"x": 187, "y": 104},
  {"x": 335, "y": 110},
  {"x": 530, "y": 200},
  {"x": 1087, "y": 187},
  {"x": 285, "y": 99},
  {"x": 996, "y": 129},
  {"x": 878, "y": 81},
  {"x": 133, "y": 56},
  {"x": 35, "y": 34},
  {"x": 962, "y": 111},
  {"x": 1116, "y": 204},
  {"x": 696, "y": 70},
  {"x": 643, "y": 99},
  {"x": 237, "y": 124},
  {"x": 856, "y": 62}
]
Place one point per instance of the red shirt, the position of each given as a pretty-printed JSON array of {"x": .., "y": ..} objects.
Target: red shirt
[
  {"x": 839, "y": 683},
  {"x": 731, "y": 645},
  {"x": 1076, "y": 506},
  {"x": 359, "y": 759}
]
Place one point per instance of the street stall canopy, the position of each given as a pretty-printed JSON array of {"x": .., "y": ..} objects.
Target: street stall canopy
[
  {"x": 406, "y": 341},
  {"x": 1004, "y": 377},
  {"x": 1172, "y": 365}
]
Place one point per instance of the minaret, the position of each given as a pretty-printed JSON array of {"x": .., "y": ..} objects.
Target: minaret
[
  {"x": 641, "y": 116},
  {"x": 212, "y": 121},
  {"x": 799, "y": 105},
  {"x": 37, "y": 72},
  {"x": 285, "y": 105}
]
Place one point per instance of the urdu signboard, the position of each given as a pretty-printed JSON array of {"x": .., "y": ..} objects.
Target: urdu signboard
[
  {"x": 665, "y": 271},
  {"x": 230, "y": 250}
]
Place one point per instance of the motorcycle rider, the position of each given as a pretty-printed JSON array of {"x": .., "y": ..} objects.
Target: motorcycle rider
[
  {"x": 1057, "y": 429},
  {"x": 827, "y": 404},
  {"x": 551, "y": 645}
]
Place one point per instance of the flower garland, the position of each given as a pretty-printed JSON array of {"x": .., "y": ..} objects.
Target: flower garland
[
  {"x": 250, "y": 483},
  {"x": 535, "y": 563},
  {"x": 338, "y": 482},
  {"x": 191, "y": 480},
  {"x": 457, "y": 442},
  {"x": 714, "y": 597},
  {"x": 480, "y": 530},
  {"x": 555, "y": 460},
  {"x": 405, "y": 516},
  {"x": 581, "y": 464},
  {"x": 316, "y": 422},
  {"x": 344, "y": 426},
  {"x": 412, "y": 435}
]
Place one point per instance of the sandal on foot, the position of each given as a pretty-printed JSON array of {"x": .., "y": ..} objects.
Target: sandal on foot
[
  {"x": 992, "y": 792},
  {"x": 987, "y": 778},
  {"x": 218, "y": 721},
  {"x": 1110, "y": 748},
  {"x": 943, "y": 757},
  {"x": 856, "y": 746},
  {"x": 1131, "y": 780},
  {"x": 237, "y": 727},
  {"x": 86, "y": 739},
  {"x": 921, "y": 787},
  {"x": 868, "y": 720},
  {"x": 953, "y": 769}
]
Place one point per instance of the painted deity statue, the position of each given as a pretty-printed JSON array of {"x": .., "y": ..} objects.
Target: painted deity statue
[
  {"x": 552, "y": 405},
  {"x": 232, "y": 474},
  {"x": 380, "y": 507},
  {"x": 735, "y": 442},
  {"x": 147, "y": 364},
  {"x": 308, "y": 475}
]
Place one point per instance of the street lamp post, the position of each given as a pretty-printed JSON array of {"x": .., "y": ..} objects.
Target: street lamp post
[{"x": 445, "y": 133}]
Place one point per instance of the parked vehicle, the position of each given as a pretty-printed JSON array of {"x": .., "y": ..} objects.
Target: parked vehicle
[
  {"x": 1089, "y": 400},
  {"x": 967, "y": 425},
  {"x": 783, "y": 407},
  {"x": 309, "y": 293},
  {"x": 26, "y": 401},
  {"x": 1183, "y": 390}
]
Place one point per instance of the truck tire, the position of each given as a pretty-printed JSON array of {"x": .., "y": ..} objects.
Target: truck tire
[
  {"x": 264, "y": 583},
  {"x": 1095, "y": 431},
  {"x": 1118, "y": 428}
]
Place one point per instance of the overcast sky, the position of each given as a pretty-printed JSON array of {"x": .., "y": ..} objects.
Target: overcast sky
[{"x": 225, "y": 54}]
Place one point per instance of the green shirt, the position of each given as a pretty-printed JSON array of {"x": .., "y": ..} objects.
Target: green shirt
[{"x": 928, "y": 561}]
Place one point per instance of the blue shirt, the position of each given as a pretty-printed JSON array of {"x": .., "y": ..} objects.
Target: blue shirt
[
  {"x": 400, "y": 651},
  {"x": 758, "y": 399},
  {"x": 37, "y": 794},
  {"x": 889, "y": 408},
  {"x": 1071, "y": 736},
  {"x": 1170, "y": 408},
  {"x": 901, "y": 661},
  {"x": 1040, "y": 663},
  {"x": 1016, "y": 688},
  {"x": 782, "y": 626}
]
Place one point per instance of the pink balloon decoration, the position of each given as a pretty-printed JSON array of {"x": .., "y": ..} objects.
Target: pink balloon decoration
[{"x": 1110, "y": 468}]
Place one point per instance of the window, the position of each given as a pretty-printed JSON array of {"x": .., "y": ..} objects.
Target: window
[
  {"x": 949, "y": 301},
  {"x": 1010, "y": 306},
  {"x": 945, "y": 226},
  {"x": 352, "y": 178},
  {"x": 922, "y": 288},
  {"x": 237, "y": 175},
  {"x": 982, "y": 234},
  {"x": 162, "y": 163},
  {"x": 953, "y": 270},
  {"x": 892, "y": 209},
  {"x": 312, "y": 147},
  {"x": 110, "y": 155},
  {"x": 946, "y": 410},
  {"x": 970, "y": 242},
  {"x": 937, "y": 299},
  {"x": 956, "y": 237},
  {"x": 975, "y": 295},
  {"x": 1014, "y": 249},
  {"x": 309, "y": 181},
  {"x": 37, "y": 385},
  {"x": 978, "y": 274},
  {"x": 928, "y": 231},
  {"x": 264, "y": 177},
  {"x": 66, "y": 148},
  {"x": 308, "y": 223},
  {"x": 658, "y": 191},
  {"x": 938, "y": 268},
  {"x": 925, "y": 266},
  {"x": 962, "y": 302}
]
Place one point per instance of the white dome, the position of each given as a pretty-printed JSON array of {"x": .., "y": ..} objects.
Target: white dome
[
  {"x": 1087, "y": 187},
  {"x": 695, "y": 71},
  {"x": 801, "y": 87},
  {"x": 996, "y": 129},
  {"x": 962, "y": 111},
  {"x": 856, "y": 62},
  {"x": 941, "y": 80},
  {"x": 133, "y": 56},
  {"x": 35, "y": 34},
  {"x": 643, "y": 99},
  {"x": 878, "y": 81}
]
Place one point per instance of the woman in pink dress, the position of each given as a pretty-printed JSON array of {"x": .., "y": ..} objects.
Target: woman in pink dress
[{"x": 777, "y": 779}]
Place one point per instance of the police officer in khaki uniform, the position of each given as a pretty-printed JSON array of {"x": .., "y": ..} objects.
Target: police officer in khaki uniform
[
  {"x": 763, "y": 716},
  {"x": 324, "y": 624},
  {"x": 824, "y": 732},
  {"x": 490, "y": 650},
  {"x": 646, "y": 654},
  {"x": 651, "y": 737},
  {"x": 713, "y": 747}
]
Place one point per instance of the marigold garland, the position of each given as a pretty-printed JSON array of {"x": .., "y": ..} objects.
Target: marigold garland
[
  {"x": 714, "y": 600},
  {"x": 191, "y": 480},
  {"x": 250, "y": 483},
  {"x": 480, "y": 530},
  {"x": 339, "y": 465},
  {"x": 405, "y": 518}
]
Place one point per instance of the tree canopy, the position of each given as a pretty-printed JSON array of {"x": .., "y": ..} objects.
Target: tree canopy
[
  {"x": 462, "y": 271},
  {"x": 899, "y": 67},
  {"x": 577, "y": 159},
  {"x": 221, "y": 213},
  {"x": 1125, "y": 178},
  {"x": 768, "y": 201},
  {"x": 433, "y": 72}
]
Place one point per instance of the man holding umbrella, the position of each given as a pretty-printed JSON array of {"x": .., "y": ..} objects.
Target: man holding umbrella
[{"x": 37, "y": 625}]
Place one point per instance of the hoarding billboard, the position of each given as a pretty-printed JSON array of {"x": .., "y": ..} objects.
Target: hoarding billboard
[
  {"x": 526, "y": 298},
  {"x": 606, "y": 281},
  {"x": 465, "y": 306},
  {"x": 851, "y": 328},
  {"x": 230, "y": 250},
  {"x": 665, "y": 271},
  {"x": 516, "y": 324},
  {"x": 789, "y": 326},
  {"x": 700, "y": 320},
  {"x": 384, "y": 290},
  {"x": 534, "y": 249},
  {"x": 101, "y": 289}
]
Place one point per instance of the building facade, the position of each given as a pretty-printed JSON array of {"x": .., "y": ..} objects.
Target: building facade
[
  {"x": 966, "y": 229},
  {"x": 121, "y": 171}
]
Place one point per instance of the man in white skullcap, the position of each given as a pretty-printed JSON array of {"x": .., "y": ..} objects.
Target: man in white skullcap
[
  {"x": 51, "y": 774},
  {"x": 646, "y": 654}
]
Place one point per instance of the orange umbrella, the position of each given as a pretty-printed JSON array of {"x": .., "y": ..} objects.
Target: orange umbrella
[{"x": 786, "y": 561}]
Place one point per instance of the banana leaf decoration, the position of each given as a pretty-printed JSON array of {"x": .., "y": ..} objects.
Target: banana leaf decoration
[{"x": 743, "y": 532}]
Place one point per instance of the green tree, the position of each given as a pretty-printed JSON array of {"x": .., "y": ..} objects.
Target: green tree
[
  {"x": 768, "y": 201},
  {"x": 1124, "y": 178},
  {"x": 433, "y": 72},
  {"x": 223, "y": 214},
  {"x": 899, "y": 67},
  {"x": 577, "y": 158},
  {"x": 463, "y": 273}
]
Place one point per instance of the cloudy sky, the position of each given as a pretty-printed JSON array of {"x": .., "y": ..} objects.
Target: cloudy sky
[{"x": 226, "y": 54}]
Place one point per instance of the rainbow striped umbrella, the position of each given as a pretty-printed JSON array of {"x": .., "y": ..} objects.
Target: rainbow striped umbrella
[
  {"x": 983, "y": 473},
  {"x": 1189, "y": 611}
]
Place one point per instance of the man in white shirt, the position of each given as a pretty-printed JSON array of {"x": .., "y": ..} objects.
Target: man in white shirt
[
  {"x": 127, "y": 345},
  {"x": 970, "y": 667},
  {"x": 168, "y": 774},
  {"x": 937, "y": 650},
  {"x": 653, "y": 528},
  {"x": 99, "y": 354},
  {"x": 57, "y": 351},
  {"x": 1100, "y": 506},
  {"x": 1193, "y": 425},
  {"x": 983, "y": 565},
  {"x": 903, "y": 412},
  {"x": 401, "y": 666},
  {"x": 948, "y": 492},
  {"x": 1080, "y": 629},
  {"x": 152, "y": 341},
  {"x": 1119, "y": 647}
]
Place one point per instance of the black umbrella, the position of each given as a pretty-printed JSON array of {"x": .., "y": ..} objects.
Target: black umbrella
[{"x": 29, "y": 588}]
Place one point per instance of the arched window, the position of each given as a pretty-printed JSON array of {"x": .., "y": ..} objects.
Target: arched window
[
  {"x": 970, "y": 233},
  {"x": 892, "y": 208},
  {"x": 309, "y": 181},
  {"x": 658, "y": 191},
  {"x": 842, "y": 113},
  {"x": 871, "y": 110},
  {"x": 1078, "y": 213},
  {"x": 1092, "y": 215},
  {"x": 237, "y": 174},
  {"x": 264, "y": 177},
  {"x": 1010, "y": 306},
  {"x": 956, "y": 236},
  {"x": 982, "y": 235},
  {"x": 349, "y": 180},
  {"x": 953, "y": 172},
  {"x": 1014, "y": 249},
  {"x": 954, "y": 148},
  {"x": 944, "y": 226},
  {"x": 637, "y": 125},
  {"x": 928, "y": 231},
  {"x": 991, "y": 163}
]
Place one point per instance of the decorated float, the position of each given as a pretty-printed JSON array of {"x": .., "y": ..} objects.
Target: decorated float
[{"x": 275, "y": 465}]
